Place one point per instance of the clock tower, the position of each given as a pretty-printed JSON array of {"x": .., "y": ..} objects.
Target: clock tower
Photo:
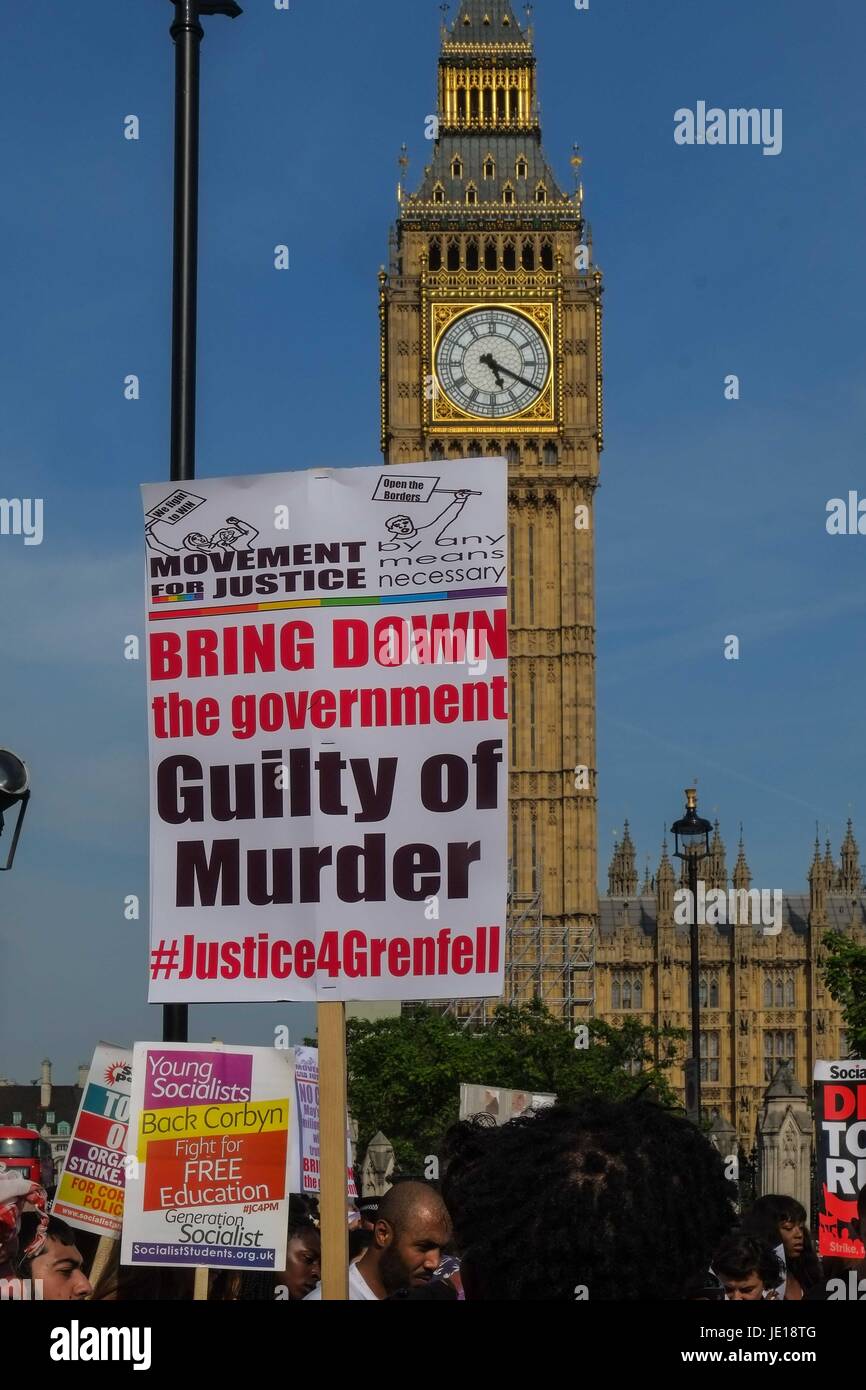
[{"x": 491, "y": 345}]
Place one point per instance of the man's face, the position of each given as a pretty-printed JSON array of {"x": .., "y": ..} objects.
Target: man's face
[
  {"x": 400, "y": 526},
  {"x": 59, "y": 1268},
  {"x": 748, "y": 1290},
  {"x": 413, "y": 1252},
  {"x": 791, "y": 1233}
]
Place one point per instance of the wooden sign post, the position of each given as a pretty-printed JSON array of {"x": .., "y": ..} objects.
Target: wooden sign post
[{"x": 331, "y": 1021}]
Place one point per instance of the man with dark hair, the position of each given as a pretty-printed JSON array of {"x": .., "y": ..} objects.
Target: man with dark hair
[
  {"x": 600, "y": 1200},
  {"x": 58, "y": 1265},
  {"x": 411, "y": 1229},
  {"x": 746, "y": 1268}
]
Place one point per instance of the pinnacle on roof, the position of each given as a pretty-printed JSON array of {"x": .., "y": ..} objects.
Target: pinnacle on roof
[{"x": 742, "y": 875}]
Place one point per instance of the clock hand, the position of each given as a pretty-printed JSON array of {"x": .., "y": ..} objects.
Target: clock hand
[
  {"x": 488, "y": 360},
  {"x": 524, "y": 381}
]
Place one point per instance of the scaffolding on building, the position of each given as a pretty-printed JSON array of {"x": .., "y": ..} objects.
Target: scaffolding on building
[{"x": 543, "y": 960}]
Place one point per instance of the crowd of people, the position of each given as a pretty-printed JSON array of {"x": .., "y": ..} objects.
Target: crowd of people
[{"x": 600, "y": 1200}]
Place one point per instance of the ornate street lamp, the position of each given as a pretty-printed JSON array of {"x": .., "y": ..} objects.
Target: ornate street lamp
[
  {"x": 14, "y": 791},
  {"x": 692, "y": 843}
]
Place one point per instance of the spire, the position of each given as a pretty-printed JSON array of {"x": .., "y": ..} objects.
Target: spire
[
  {"x": 665, "y": 887},
  {"x": 742, "y": 875},
  {"x": 486, "y": 22},
  {"x": 850, "y": 873},
  {"x": 829, "y": 868},
  {"x": 715, "y": 871},
  {"x": 648, "y": 882},
  {"x": 817, "y": 884},
  {"x": 622, "y": 874}
]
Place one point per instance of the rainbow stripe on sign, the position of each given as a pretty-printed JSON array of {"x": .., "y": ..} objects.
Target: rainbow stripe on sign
[
  {"x": 448, "y": 595},
  {"x": 178, "y": 598}
]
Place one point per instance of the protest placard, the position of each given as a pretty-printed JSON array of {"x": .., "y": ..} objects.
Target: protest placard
[
  {"x": 327, "y": 665},
  {"x": 209, "y": 1127},
  {"x": 840, "y": 1118},
  {"x": 91, "y": 1185},
  {"x": 305, "y": 1170},
  {"x": 499, "y": 1103}
]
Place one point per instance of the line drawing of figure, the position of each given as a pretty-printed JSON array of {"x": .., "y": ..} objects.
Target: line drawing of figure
[
  {"x": 403, "y": 528},
  {"x": 228, "y": 537}
]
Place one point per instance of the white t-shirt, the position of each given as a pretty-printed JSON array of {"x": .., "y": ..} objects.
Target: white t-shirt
[{"x": 359, "y": 1289}]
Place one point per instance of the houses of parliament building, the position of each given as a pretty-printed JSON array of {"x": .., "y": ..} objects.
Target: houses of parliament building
[{"x": 491, "y": 345}]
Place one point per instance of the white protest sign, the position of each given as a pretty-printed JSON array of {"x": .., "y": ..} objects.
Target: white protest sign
[
  {"x": 305, "y": 1169},
  {"x": 209, "y": 1129},
  {"x": 327, "y": 705}
]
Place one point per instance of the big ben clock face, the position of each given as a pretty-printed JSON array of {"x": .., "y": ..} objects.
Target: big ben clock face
[{"x": 492, "y": 363}]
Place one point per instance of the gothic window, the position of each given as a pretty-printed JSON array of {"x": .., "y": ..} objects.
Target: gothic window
[
  {"x": 512, "y": 453},
  {"x": 508, "y": 196},
  {"x": 454, "y": 450},
  {"x": 489, "y": 167},
  {"x": 541, "y": 194},
  {"x": 474, "y": 97},
  {"x": 702, "y": 992},
  {"x": 515, "y": 102},
  {"x": 789, "y": 992},
  {"x": 493, "y": 449},
  {"x": 626, "y": 994},
  {"x": 435, "y": 258},
  {"x": 63, "y": 1129},
  {"x": 527, "y": 258},
  {"x": 614, "y": 994},
  {"x": 472, "y": 253},
  {"x": 500, "y": 104},
  {"x": 437, "y": 449},
  {"x": 457, "y": 167},
  {"x": 626, "y": 990},
  {"x": 709, "y": 1056},
  {"x": 546, "y": 253},
  {"x": 778, "y": 1048},
  {"x": 488, "y": 103},
  {"x": 438, "y": 194},
  {"x": 638, "y": 994},
  {"x": 474, "y": 449},
  {"x": 509, "y": 254},
  {"x": 550, "y": 454},
  {"x": 714, "y": 994},
  {"x": 768, "y": 992},
  {"x": 530, "y": 574},
  {"x": 461, "y": 103},
  {"x": 490, "y": 257},
  {"x": 532, "y": 707},
  {"x": 471, "y": 195},
  {"x": 522, "y": 168},
  {"x": 453, "y": 253}
]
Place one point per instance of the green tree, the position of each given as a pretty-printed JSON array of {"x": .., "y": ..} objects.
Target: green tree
[
  {"x": 845, "y": 975},
  {"x": 405, "y": 1073}
]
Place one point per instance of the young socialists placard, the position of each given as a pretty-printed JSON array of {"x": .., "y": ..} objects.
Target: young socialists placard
[
  {"x": 209, "y": 1128},
  {"x": 327, "y": 662}
]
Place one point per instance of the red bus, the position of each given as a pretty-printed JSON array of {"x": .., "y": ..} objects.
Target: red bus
[{"x": 26, "y": 1152}]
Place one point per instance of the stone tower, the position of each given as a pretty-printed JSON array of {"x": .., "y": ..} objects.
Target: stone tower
[{"x": 490, "y": 318}]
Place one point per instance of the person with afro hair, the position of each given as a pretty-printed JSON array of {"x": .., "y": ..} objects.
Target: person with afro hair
[{"x": 599, "y": 1199}]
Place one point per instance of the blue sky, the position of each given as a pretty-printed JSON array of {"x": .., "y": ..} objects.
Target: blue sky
[{"x": 711, "y": 516}]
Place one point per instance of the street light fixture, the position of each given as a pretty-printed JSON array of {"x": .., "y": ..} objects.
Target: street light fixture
[
  {"x": 187, "y": 34},
  {"x": 692, "y": 843},
  {"x": 14, "y": 791}
]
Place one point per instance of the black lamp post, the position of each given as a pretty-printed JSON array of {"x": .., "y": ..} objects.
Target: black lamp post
[
  {"x": 187, "y": 33},
  {"x": 692, "y": 843},
  {"x": 14, "y": 791}
]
